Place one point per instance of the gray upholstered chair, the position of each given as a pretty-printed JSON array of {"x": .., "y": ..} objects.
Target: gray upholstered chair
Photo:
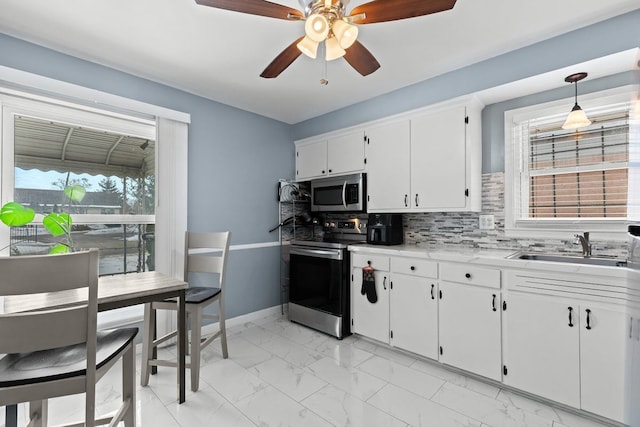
[
  {"x": 57, "y": 351},
  {"x": 204, "y": 253}
]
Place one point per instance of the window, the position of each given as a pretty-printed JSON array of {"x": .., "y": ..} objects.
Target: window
[
  {"x": 568, "y": 180},
  {"x": 111, "y": 156}
]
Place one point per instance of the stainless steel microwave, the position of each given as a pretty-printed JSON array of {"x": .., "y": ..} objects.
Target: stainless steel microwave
[{"x": 339, "y": 194}]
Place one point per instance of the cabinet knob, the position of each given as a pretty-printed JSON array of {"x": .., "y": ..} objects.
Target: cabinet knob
[
  {"x": 323, "y": 172},
  {"x": 413, "y": 268},
  {"x": 329, "y": 170},
  {"x": 468, "y": 275}
]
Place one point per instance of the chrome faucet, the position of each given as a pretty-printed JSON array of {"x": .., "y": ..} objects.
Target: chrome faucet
[{"x": 584, "y": 241}]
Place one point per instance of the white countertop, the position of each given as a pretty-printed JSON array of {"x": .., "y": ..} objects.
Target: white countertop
[{"x": 488, "y": 257}]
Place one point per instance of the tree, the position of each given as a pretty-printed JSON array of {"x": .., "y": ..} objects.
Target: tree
[
  {"x": 61, "y": 183},
  {"x": 109, "y": 186}
]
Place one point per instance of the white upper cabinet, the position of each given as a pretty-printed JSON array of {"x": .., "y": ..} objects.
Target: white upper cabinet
[
  {"x": 345, "y": 153},
  {"x": 428, "y": 160},
  {"x": 311, "y": 160},
  {"x": 337, "y": 155},
  {"x": 388, "y": 174},
  {"x": 439, "y": 160}
]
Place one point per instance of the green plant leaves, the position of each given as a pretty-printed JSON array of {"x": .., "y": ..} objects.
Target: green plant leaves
[
  {"x": 57, "y": 223},
  {"x": 15, "y": 215},
  {"x": 75, "y": 192},
  {"x": 60, "y": 248}
]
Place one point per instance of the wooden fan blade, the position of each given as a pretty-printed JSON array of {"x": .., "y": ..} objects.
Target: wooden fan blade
[
  {"x": 282, "y": 61},
  {"x": 255, "y": 7},
  {"x": 392, "y": 10},
  {"x": 361, "y": 59}
]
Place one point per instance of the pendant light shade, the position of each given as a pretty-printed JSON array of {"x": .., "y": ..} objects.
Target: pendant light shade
[
  {"x": 316, "y": 27},
  {"x": 577, "y": 117},
  {"x": 308, "y": 47},
  {"x": 334, "y": 50},
  {"x": 345, "y": 33}
]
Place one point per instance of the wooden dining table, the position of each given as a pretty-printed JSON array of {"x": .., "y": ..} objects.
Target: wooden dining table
[{"x": 115, "y": 291}]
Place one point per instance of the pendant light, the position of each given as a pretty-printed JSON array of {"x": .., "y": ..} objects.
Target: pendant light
[{"x": 577, "y": 117}]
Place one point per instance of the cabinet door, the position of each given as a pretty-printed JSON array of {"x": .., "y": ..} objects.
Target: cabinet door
[
  {"x": 413, "y": 314},
  {"x": 370, "y": 319},
  {"x": 345, "y": 154},
  {"x": 438, "y": 160},
  {"x": 388, "y": 175},
  {"x": 470, "y": 328},
  {"x": 541, "y": 347},
  {"x": 311, "y": 160},
  {"x": 605, "y": 360}
]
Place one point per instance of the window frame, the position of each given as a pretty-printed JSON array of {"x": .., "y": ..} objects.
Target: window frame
[
  {"x": 606, "y": 228},
  {"x": 171, "y": 166}
]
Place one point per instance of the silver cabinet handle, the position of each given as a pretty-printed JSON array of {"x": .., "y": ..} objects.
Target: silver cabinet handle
[{"x": 344, "y": 194}]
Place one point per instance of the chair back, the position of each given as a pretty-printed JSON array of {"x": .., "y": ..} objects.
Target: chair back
[
  {"x": 52, "y": 280},
  {"x": 206, "y": 253}
]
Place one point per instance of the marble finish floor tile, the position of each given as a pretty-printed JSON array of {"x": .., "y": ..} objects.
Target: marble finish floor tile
[
  {"x": 342, "y": 409},
  {"x": 418, "y": 411},
  {"x": 270, "y": 407},
  {"x": 487, "y": 410},
  {"x": 283, "y": 374},
  {"x": 394, "y": 373},
  {"x": 291, "y": 380},
  {"x": 360, "y": 384},
  {"x": 434, "y": 369}
]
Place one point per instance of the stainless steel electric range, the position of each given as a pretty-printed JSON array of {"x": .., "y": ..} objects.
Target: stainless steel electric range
[{"x": 319, "y": 272}]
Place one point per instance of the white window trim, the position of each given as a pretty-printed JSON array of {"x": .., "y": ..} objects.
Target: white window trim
[
  {"x": 553, "y": 228},
  {"x": 173, "y": 219}
]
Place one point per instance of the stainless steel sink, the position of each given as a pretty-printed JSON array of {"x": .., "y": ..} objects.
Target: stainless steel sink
[{"x": 608, "y": 262}]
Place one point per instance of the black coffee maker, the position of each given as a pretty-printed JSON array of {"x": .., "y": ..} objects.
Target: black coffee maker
[{"x": 385, "y": 229}]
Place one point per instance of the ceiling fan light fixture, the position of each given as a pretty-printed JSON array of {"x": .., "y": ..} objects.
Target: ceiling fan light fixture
[
  {"x": 316, "y": 27},
  {"x": 308, "y": 47},
  {"x": 577, "y": 118},
  {"x": 333, "y": 48},
  {"x": 345, "y": 33}
]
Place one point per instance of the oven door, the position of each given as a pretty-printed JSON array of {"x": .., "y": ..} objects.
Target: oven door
[{"x": 317, "y": 279}]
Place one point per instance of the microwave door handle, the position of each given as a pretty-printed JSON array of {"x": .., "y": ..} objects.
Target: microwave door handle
[{"x": 344, "y": 194}]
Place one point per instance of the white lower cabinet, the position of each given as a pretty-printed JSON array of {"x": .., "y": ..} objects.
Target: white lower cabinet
[
  {"x": 541, "y": 351},
  {"x": 470, "y": 328},
  {"x": 413, "y": 306},
  {"x": 370, "y": 319},
  {"x": 574, "y": 352}
]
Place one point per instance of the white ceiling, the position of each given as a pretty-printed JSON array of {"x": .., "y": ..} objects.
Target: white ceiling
[{"x": 219, "y": 54}]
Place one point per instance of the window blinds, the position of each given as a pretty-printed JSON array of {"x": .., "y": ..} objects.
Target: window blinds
[{"x": 575, "y": 173}]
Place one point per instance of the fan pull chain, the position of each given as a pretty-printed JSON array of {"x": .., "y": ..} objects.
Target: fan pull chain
[{"x": 324, "y": 80}]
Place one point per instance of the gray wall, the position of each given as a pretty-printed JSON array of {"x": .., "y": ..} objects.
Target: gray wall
[
  {"x": 604, "y": 38},
  {"x": 235, "y": 160}
]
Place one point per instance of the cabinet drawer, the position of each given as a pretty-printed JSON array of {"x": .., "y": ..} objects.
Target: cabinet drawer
[
  {"x": 378, "y": 262},
  {"x": 414, "y": 267},
  {"x": 463, "y": 273}
]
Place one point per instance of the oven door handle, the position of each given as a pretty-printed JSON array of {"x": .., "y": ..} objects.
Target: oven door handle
[
  {"x": 317, "y": 253},
  {"x": 344, "y": 194}
]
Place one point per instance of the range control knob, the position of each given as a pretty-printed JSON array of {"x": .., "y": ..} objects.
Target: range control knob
[
  {"x": 326, "y": 225},
  {"x": 332, "y": 224}
]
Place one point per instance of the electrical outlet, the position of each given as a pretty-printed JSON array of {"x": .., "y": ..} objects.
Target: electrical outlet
[{"x": 487, "y": 222}]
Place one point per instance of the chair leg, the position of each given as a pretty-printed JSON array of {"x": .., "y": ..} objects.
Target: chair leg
[
  {"x": 196, "y": 336},
  {"x": 128, "y": 385},
  {"x": 149, "y": 327},
  {"x": 223, "y": 329},
  {"x": 38, "y": 413}
]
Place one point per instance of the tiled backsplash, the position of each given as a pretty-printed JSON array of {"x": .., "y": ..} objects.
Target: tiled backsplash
[
  {"x": 452, "y": 228},
  {"x": 455, "y": 228}
]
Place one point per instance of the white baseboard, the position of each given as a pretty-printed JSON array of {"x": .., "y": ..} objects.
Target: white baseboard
[{"x": 245, "y": 318}]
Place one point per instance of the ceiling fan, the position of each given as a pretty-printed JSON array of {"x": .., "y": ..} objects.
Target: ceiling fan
[{"x": 327, "y": 21}]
